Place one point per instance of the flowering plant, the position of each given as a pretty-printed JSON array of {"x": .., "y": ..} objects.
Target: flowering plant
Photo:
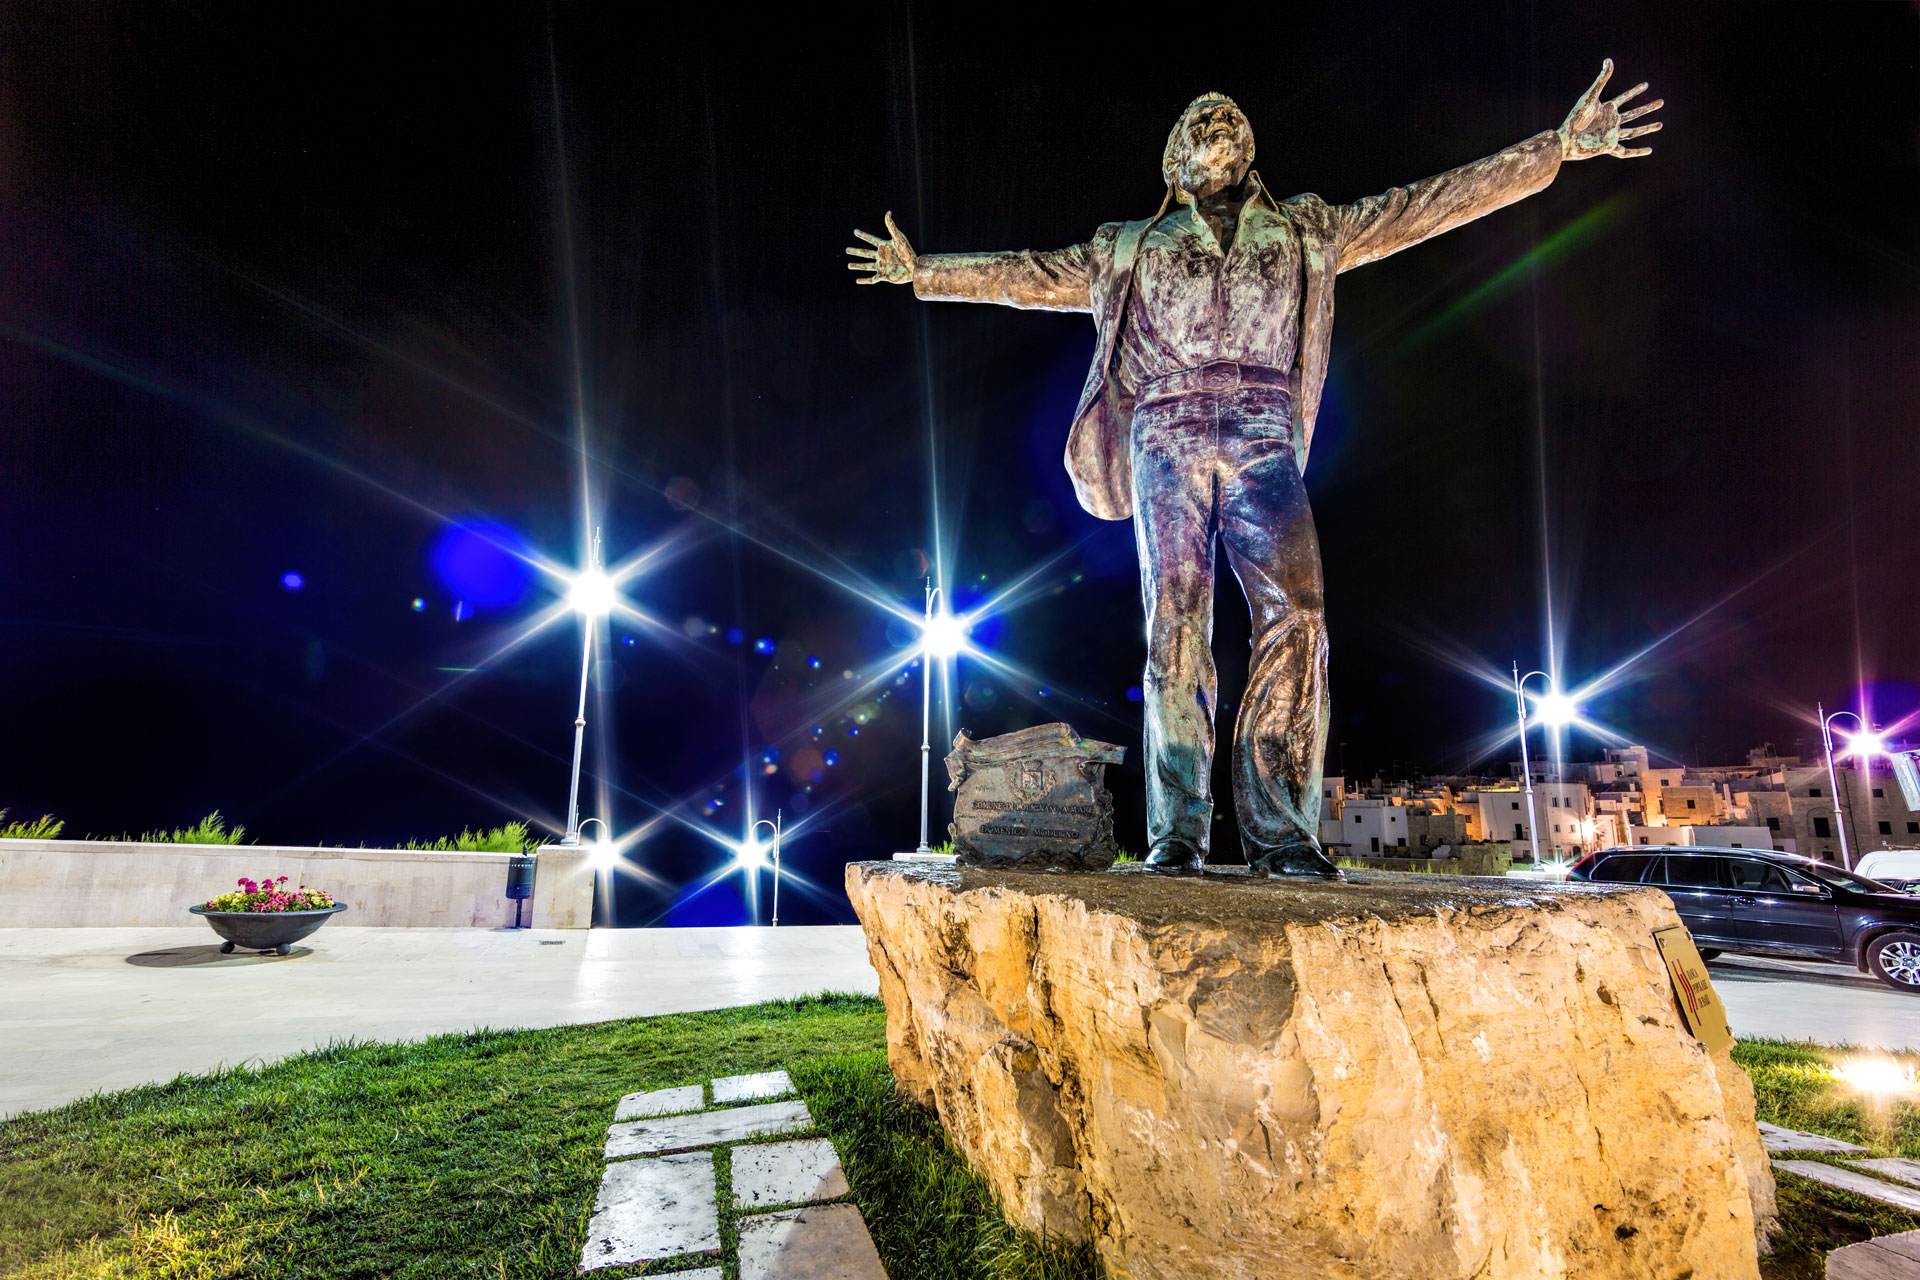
[{"x": 268, "y": 895}]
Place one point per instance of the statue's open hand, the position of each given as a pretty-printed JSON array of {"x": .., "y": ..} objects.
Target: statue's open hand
[
  {"x": 1593, "y": 127},
  {"x": 888, "y": 260}
]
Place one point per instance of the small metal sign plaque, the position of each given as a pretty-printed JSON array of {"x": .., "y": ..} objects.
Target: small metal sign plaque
[
  {"x": 1705, "y": 1016},
  {"x": 1033, "y": 799}
]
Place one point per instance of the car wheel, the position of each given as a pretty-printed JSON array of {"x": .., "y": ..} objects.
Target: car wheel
[
  {"x": 1894, "y": 958},
  {"x": 1709, "y": 953}
]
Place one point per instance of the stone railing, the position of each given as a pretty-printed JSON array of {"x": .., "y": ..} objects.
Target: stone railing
[{"x": 95, "y": 883}]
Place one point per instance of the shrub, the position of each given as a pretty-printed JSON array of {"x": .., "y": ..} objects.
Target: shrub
[
  {"x": 211, "y": 830},
  {"x": 507, "y": 839},
  {"x": 45, "y": 827}
]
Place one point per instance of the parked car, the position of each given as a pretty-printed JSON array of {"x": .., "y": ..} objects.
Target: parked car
[
  {"x": 1758, "y": 902},
  {"x": 1897, "y": 867}
]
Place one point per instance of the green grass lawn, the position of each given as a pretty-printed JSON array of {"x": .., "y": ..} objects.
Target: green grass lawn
[
  {"x": 1796, "y": 1085},
  {"x": 467, "y": 1155},
  {"x": 478, "y": 1155}
]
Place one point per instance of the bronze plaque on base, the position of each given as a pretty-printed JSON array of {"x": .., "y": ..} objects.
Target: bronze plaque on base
[{"x": 1033, "y": 799}]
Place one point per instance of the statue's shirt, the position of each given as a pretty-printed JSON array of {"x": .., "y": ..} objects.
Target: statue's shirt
[
  {"x": 1269, "y": 302},
  {"x": 1191, "y": 304}
]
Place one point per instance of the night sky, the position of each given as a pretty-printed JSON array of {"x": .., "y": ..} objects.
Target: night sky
[{"x": 313, "y": 297}]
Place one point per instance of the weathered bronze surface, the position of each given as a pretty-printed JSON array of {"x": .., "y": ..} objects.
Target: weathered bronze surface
[
  {"x": 1213, "y": 320},
  {"x": 1032, "y": 800}
]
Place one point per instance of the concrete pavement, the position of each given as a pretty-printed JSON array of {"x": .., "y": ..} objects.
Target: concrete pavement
[
  {"x": 1830, "y": 1003},
  {"x": 91, "y": 1009}
]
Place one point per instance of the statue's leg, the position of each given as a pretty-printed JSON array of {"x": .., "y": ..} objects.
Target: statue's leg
[
  {"x": 1175, "y": 461},
  {"x": 1280, "y": 733}
]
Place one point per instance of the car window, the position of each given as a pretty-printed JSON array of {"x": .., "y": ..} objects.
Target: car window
[
  {"x": 1756, "y": 877},
  {"x": 1694, "y": 871},
  {"x": 1622, "y": 868},
  {"x": 1835, "y": 878}
]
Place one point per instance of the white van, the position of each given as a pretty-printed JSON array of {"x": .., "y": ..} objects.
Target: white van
[{"x": 1897, "y": 867}]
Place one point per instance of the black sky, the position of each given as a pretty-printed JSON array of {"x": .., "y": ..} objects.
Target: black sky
[{"x": 280, "y": 293}]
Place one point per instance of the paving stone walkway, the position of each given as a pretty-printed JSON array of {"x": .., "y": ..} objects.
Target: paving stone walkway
[{"x": 663, "y": 1203}]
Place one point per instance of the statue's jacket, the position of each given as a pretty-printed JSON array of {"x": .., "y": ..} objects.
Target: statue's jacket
[{"x": 1097, "y": 277}]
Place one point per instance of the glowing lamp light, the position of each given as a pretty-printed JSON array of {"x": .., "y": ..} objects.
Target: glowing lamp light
[
  {"x": 1867, "y": 744},
  {"x": 592, "y": 594},
  {"x": 943, "y": 635},
  {"x": 1555, "y": 709},
  {"x": 1877, "y": 1075},
  {"x": 604, "y": 854},
  {"x": 750, "y": 854}
]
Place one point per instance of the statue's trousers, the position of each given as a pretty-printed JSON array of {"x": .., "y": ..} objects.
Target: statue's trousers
[{"x": 1213, "y": 457}]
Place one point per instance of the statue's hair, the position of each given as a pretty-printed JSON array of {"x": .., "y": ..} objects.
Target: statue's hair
[{"x": 1172, "y": 159}]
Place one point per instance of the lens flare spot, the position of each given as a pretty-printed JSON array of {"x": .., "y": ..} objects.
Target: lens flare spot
[{"x": 483, "y": 563}]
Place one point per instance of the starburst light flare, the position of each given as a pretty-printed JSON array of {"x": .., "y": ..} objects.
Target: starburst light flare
[{"x": 592, "y": 593}]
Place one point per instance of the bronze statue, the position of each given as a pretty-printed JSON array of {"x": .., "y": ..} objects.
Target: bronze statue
[{"x": 1213, "y": 320}]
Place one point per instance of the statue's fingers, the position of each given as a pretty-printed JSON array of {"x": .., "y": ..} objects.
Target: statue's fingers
[
  {"x": 891, "y": 229},
  {"x": 863, "y": 266},
  {"x": 1639, "y": 111},
  {"x": 1636, "y": 91},
  {"x": 1629, "y": 153},
  {"x": 869, "y": 239},
  {"x": 1645, "y": 128},
  {"x": 868, "y": 280},
  {"x": 858, "y": 252},
  {"x": 1593, "y": 91}
]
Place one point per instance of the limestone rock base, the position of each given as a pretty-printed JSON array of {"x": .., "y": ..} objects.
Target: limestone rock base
[{"x": 1397, "y": 1078}]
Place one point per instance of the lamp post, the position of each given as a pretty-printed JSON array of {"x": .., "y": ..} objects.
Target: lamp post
[
  {"x": 591, "y": 596},
  {"x": 1555, "y": 710},
  {"x": 941, "y": 636},
  {"x": 753, "y": 844},
  {"x": 1865, "y": 743}
]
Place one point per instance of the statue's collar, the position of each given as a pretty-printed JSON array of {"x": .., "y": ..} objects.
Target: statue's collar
[{"x": 1257, "y": 197}]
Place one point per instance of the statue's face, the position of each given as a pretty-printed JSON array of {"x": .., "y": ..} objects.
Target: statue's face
[{"x": 1218, "y": 144}]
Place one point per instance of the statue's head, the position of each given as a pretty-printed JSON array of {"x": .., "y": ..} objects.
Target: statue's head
[{"x": 1211, "y": 147}]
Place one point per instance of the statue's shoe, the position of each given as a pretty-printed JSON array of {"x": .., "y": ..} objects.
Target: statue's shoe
[
  {"x": 1300, "y": 861},
  {"x": 1176, "y": 860}
]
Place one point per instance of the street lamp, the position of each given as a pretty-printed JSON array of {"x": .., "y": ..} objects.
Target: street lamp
[
  {"x": 1864, "y": 744},
  {"x": 591, "y": 595},
  {"x": 1556, "y": 709},
  {"x": 751, "y": 855},
  {"x": 941, "y": 636},
  {"x": 604, "y": 853}
]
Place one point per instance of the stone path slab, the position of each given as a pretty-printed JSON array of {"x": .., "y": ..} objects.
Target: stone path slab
[
  {"x": 1887, "y": 1258},
  {"x": 1862, "y": 1184},
  {"x": 786, "y": 1173},
  {"x": 1907, "y": 1171},
  {"x": 1780, "y": 1141},
  {"x": 761, "y": 1084},
  {"x": 828, "y": 1243},
  {"x": 678, "y": 1133},
  {"x": 661, "y": 1102},
  {"x": 649, "y": 1209}
]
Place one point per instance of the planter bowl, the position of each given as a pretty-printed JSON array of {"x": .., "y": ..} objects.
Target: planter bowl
[{"x": 274, "y": 931}]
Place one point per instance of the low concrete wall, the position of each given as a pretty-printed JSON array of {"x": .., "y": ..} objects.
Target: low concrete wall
[{"x": 54, "y": 883}]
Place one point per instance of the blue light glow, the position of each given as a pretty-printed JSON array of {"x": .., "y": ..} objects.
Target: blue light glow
[
  {"x": 484, "y": 564},
  {"x": 292, "y": 581}
]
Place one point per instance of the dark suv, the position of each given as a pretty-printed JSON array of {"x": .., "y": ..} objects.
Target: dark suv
[{"x": 1763, "y": 903}]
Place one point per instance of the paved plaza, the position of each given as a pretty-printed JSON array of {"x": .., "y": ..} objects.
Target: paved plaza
[{"x": 92, "y": 1009}]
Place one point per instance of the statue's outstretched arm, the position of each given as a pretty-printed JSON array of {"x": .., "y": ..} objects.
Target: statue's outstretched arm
[
  {"x": 1379, "y": 225},
  {"x": 1052, "y": 281}
]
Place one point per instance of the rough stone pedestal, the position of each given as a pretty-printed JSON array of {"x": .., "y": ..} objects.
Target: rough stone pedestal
[{"x": 1397, "y": 1078}]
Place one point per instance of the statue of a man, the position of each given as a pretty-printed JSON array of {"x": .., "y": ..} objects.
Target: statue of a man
[{"x": 1213, "y": 320}]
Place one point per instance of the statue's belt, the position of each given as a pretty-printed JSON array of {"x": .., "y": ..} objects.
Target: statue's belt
[{"x": 1217, "y": 375}]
